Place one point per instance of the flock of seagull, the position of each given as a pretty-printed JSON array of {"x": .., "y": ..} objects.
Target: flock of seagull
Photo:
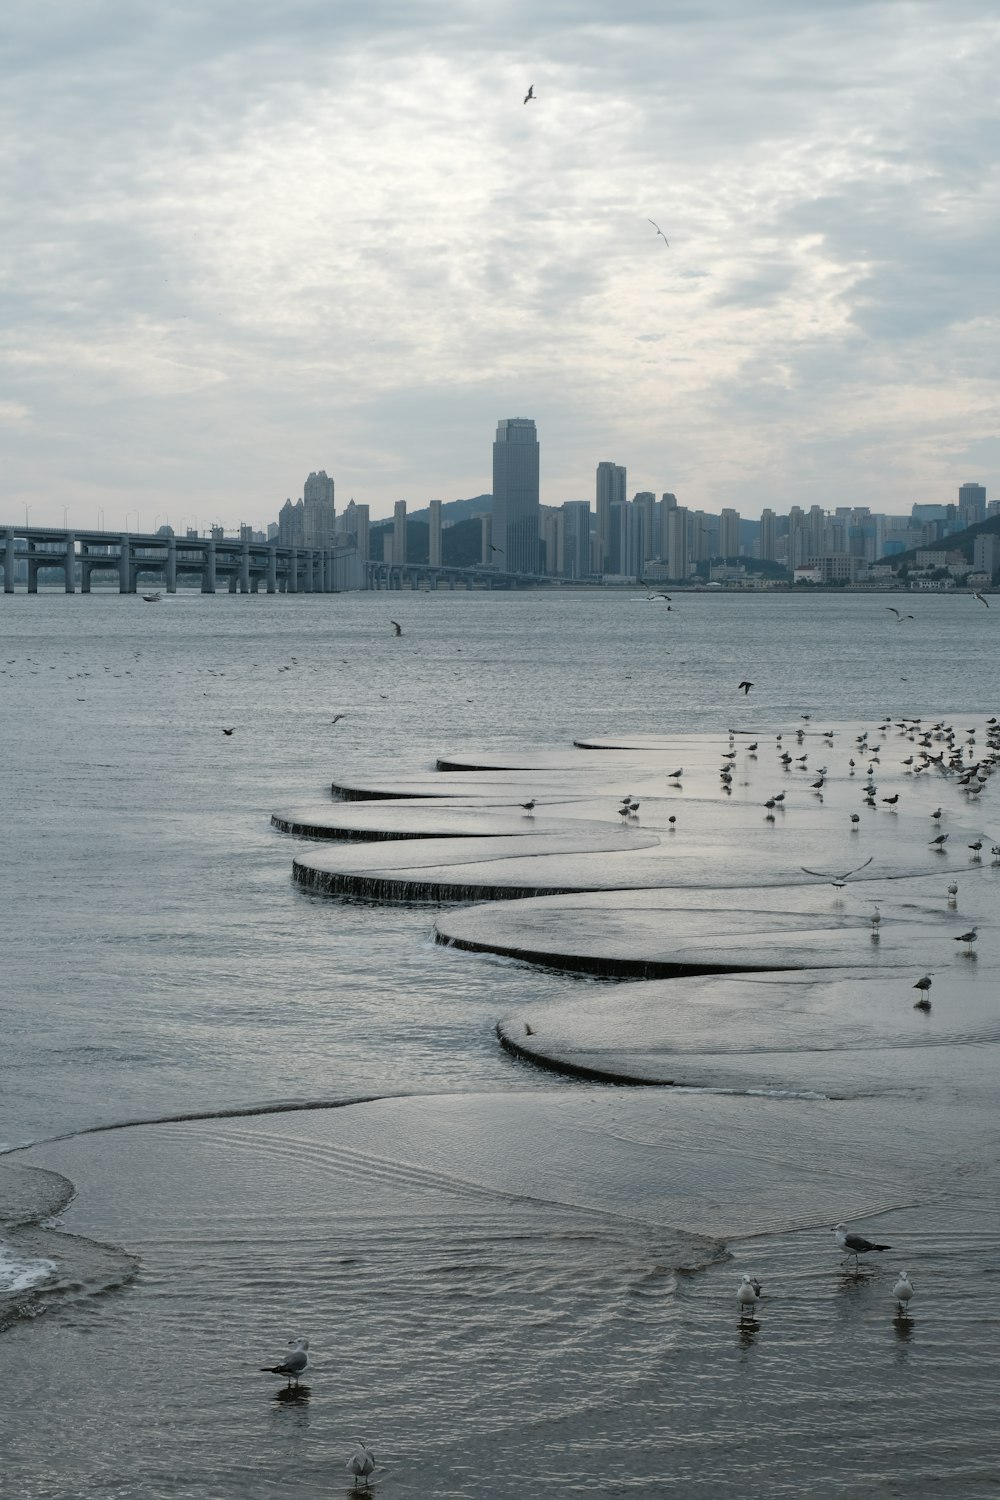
[
  {"x": 362, "y": 1461},
  {"x": 750, "y": 1290}
]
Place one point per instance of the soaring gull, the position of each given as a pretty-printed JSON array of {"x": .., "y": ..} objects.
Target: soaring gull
[
  {"x": 838, "y": 881},
  {"x": 659, "y": 232}
]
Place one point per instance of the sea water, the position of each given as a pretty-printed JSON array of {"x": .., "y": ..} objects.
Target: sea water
[{"x": 159, "y": 965}]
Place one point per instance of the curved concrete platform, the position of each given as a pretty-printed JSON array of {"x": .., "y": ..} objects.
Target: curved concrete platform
[
  {"x": 500, "y": 868},
  {"x": 658, "y": 933},
  {"x": 822, "y": 1030},
  {"x": 426, "y": 818}
]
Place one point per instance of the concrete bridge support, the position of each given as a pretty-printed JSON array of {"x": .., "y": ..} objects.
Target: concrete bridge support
[
  {"x": 293, "y": 572},
  {"x": 126, "y": 580},
  {"x": 172, "y": 566},
  {"x": 70, "y": 562},
  {"x": 245, "y": 567},
  {"x": 8, "y": 561},
  {"x": 208, "y": 569},
  {"x": 272, "y": 570}
]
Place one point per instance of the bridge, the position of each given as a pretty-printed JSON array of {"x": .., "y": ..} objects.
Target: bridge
[{"x": 237, "y": 563}]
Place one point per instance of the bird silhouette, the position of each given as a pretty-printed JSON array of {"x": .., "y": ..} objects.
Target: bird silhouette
[
  {"x": 396, "y": 626},
  {"x": 746, "y": 686},
  {"x": 659, "y": 232},
  {"x": 530, "y": 94},
  {"x": 227, "y": 731}
]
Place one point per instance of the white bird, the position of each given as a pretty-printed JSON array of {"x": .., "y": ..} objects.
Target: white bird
[
  {"x": 361, "y": 1462},
  {"x": 296, "y": 1363},
  {"x": 855, "y": 1244},
  {"x": 673, "y": 775},
  {"x": 837, "y": 881},
  {"x": 903, "y": 1291},
  {"x": 659, "y": 232},
  {"x": 747, "y": 1292},
  {"x": 876, "y": 921}
]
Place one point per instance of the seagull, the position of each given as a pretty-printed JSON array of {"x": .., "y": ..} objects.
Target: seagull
[
  {"x": 876, "y": 921},
  {"x": 294, "y": 1365},
  {"x": 903, "y": 1291},
  {"x": 530, "y": 94},
  {"x": 837, "y": 881},
  {"x": 747, "y": 1293},
  {"x": 976, "y": 846},
  {"x": 892, "y": 800},
  {"x": 746, "y": 686},
  {"x": 936, "y": 815},
  {"x": 899, "y": 618},
  {"x": 227, "y": 731},
  {"x": 941, "y": 839},
  {"x": 987, "y": 603},
  {"x": 336, "y": 718},
  {"x": 855, "y": 1244},
  {"x": 924, "y": 986},
  {"x": 362, "y": 1460},
  {"x": 396, "y": 626},
  {"x": 529, "y": 807},
  {"x": 659, "y": 232},
  {"x": 968, "y": 937},
  {"x": 953, "y": 893},
  {"x": 675, "y": 775}
]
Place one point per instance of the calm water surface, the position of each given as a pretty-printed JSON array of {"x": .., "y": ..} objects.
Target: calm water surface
[{"x": 158, "y": 962}]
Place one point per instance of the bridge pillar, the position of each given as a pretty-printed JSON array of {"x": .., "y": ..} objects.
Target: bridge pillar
[
  {"x": 272, "y": 568},
  {"x": 434, "y": 582},
  {"x": 172, "y": 565},
  {"x": 245, "y": 567},
  {"x": 71, "y": 562},
  {"x": 233, "y": 582},
  {"x": 468, "y": 585},
  {"x": 208, "y": 568},
  {"x": 126, "y": 583},
  {"x": 8, "y": 561},
  {"x": 292, "y": 586}
]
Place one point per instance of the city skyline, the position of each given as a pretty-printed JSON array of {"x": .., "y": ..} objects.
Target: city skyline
[{"x": 337, "y": 238}]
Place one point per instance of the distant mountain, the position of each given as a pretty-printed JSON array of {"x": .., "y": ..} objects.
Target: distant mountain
[{"x": 451, "y": 511}]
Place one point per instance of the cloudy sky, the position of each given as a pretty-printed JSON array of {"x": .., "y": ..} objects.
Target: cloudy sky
[{"x": 244, "y": 239}]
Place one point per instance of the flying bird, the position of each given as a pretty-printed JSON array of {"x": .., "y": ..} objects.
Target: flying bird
[
  {"x": 659, "y": 232},
  {"x": 396, "y": 626},
  {"x": 899, "y": 618},
  {"x": 987, "y": 603},
  {"x": 336, "y": 718},
  {"x": 530, "y": 94},
  {"x": 227, "y": 731},
  {"x": 746, "y": 686},
  {"x": 837, "y": 881},
  {"x": 296, "y": 1363}
]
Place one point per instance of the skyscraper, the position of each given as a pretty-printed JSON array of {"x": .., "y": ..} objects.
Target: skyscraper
[
  {"x": 318, "y": 515},
  {"x": 610, "y": 491},
  {"x": 972, "y": 504},
  {"x": 576, "y": 539},
  {"x": 399, "y": 533},
  {"x": 515, "y": 495}
]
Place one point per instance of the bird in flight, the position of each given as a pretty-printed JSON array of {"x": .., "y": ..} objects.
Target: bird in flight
[
  {"x": 746, "y": 686},
  {"x": 899, "y": 618},
  {"x": 530, "y": 94},
  {"x": 838, "y": 881},
  {"x": 227, "y": 731},
  {"x": 336, "y": 718},
  {"x": 659, "y": 232},
  {"x": 982, "y": 600},
  {"x": 396, "y": 626}
]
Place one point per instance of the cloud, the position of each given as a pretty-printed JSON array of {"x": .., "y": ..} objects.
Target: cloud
[{"x": 277, "y": 239}]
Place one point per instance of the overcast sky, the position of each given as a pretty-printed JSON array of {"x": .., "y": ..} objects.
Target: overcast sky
[{"x": 244, "y": 239}]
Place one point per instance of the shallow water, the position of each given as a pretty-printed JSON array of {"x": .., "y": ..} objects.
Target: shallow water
[{"x": 159, "y": 961}]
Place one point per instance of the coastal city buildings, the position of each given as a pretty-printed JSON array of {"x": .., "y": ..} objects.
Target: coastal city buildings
[{"x": 621, "y": 540}]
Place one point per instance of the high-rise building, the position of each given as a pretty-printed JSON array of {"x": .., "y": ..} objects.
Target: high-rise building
[
  {"x": 576, "y": 539},
  {"x": 399, "y": 534},
  {"x": 486, "y": 554},
  {"x": 515, "y": 494},
  {"x": 729, "y": 534},
  {"x": 318, "y": 514},
  {"x": 646, "y": 540},
  {"x": 552, "y": 538},
  {"x": 434, "y": 538},
  {"x": 971, "y": 504},
  {"x": 356, "y": 524},
  {"x": 768, "y": 542},
  {"x": 677, "y": 550},
  {"x": 610, "y": 491}
]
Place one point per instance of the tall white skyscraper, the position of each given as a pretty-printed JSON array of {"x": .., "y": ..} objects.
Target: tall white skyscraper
[{"x": 515, "y": 495}]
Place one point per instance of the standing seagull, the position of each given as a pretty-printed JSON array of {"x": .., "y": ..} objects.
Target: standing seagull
[
  {"x": 747, "y": 1293},
  {"x": 530, "y": 94},
  {"x": 296, "y": 1363},
  {"x": 968, "y": 937},
  {"x": 396, "y": 626},
  {"x": 903, "y": 1291},
  {"x": 855, "y": 1244},
  {"x": 361, "y": 1462},
  {"x": 659, "y": 232}
]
